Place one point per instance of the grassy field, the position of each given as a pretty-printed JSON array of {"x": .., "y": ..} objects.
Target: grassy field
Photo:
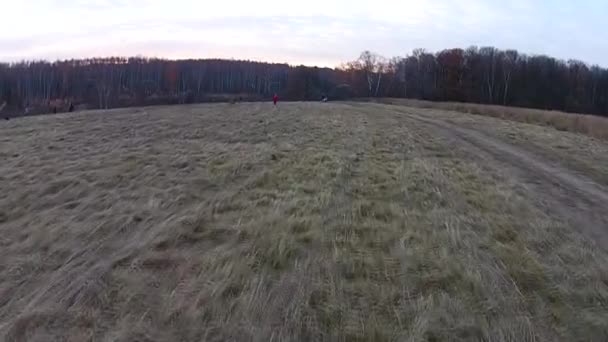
[
  {"x": 590, "y": 125},
  {"x": 308, "y": 221}
]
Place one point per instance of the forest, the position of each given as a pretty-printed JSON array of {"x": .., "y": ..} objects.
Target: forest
[{"x": 479, "y": 75}]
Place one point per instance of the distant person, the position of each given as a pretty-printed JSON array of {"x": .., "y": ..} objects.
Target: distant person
[
  {"x": 275, "y": 99},
  {"x": 71, "y": 109}
]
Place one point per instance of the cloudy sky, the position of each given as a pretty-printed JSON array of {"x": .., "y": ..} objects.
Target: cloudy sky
[{"x": 314, "y": 32}]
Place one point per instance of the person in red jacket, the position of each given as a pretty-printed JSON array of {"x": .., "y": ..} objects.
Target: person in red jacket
[{"x": 275, "y": 99}]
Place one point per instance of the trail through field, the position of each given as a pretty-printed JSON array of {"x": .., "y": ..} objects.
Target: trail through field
[
  {"x": 567, "y": 194},
  {"x": 304, "y": 221}
]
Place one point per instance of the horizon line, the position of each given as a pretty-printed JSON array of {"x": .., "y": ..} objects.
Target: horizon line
[{"x": 291, "y": 64}]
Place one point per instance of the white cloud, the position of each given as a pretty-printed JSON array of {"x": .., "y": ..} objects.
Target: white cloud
[{"x": 312, "y": 31}]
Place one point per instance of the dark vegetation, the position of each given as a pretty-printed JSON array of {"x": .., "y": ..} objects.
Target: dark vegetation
[{"x": 479, "y": 75}]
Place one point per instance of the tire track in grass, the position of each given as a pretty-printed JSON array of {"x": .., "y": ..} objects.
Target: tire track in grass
[{"x": 574, "y": 198}]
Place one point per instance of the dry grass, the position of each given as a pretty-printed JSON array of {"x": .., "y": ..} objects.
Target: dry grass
[
  {"x": 575, "y": 151},
  {"x": 590, "y": 125},
  {"x": 305, "y": 222}
]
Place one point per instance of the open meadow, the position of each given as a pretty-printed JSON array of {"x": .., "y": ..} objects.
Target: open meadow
[{"x": 305, "y": 221}]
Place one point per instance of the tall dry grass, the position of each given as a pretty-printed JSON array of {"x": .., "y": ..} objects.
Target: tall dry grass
[
  {"x": 591, "y": 125},
  {"x": 304, "y": 221}
]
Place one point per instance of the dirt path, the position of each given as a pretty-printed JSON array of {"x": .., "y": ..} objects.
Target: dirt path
[{"x": 565, "y": 194}]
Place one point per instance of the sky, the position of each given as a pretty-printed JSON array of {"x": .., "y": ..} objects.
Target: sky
[{"x": 310, "y": 32}]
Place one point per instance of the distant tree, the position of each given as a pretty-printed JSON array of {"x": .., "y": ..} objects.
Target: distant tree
[
  {"x": 488, "y": 60},
  {"x": 484, "y": 75},
  {"x": 373, "y": 67},
  {"x": 509, "y": 60},
  {"x": 450, "y": 65},
  {"x": 341, "y": 92}
]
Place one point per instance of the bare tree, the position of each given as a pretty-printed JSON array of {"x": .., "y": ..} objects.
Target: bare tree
[
  {"x": 104, "y": 85},
  {"x": 374, "y": 67},
  {"x": 509, "y": 58},
  {"x": 473, "y": 75},
  {"x": 488, "y": 55},
  {"x": 200, "y": 75}
]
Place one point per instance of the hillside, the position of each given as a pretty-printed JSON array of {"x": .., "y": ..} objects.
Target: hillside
[{"x": 305, "y": 221}]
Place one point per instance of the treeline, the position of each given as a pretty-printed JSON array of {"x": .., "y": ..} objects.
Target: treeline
[
  {"x": 481, "y": 75},
  {"x": 118, "y": 82},
  {"x": 484, "y": 75}
]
